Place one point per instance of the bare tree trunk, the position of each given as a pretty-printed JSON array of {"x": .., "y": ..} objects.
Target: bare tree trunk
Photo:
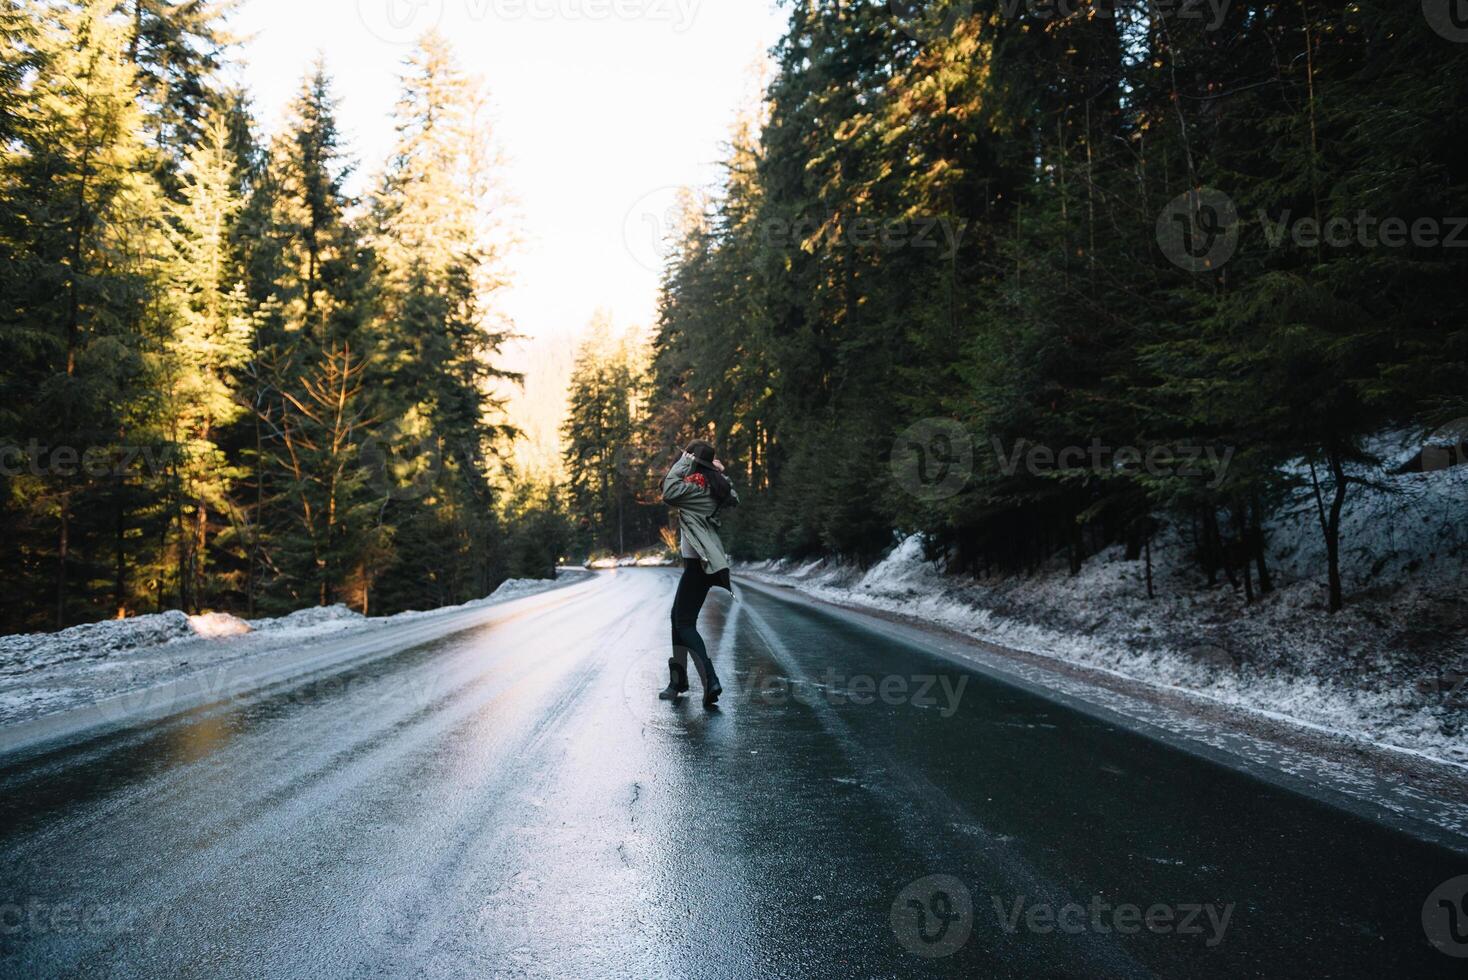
[
  {"x": 201, "y": 534},
  {"x": 1333, "y": 531},
  {"x": 63, "y": 543},
  {"x": 1208, "y": 544},
  {"x": 252, "y": 574},
  {"x": 1256, "y": 530},
  {"x": 1330, "y": 523},
  {"x": 1147, "y": 551},
  {"x": 1241, "y": 526},
  {"x": 119, "y": 574}
]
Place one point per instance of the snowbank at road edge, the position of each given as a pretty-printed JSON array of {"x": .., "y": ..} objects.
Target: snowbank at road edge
[
  {"x": 111, "y": 639},
  {"x": 1381, "y": 670}
]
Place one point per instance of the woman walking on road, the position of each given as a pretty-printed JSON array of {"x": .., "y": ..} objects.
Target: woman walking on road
[{"x": 697, "y": 490}]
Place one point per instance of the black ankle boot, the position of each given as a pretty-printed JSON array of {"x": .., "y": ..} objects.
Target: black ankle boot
[
  {"x": 677, "y": 681},
  {"x": 706, "y": 675}
]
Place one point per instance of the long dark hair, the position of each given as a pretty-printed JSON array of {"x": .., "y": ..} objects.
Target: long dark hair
[{"x": 704, "y": 454}]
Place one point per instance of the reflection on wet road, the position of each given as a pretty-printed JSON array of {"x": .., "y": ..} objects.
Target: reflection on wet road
[{"x": 514, "y": 801}]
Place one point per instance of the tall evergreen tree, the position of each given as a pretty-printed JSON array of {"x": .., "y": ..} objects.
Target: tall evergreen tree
[
  {"x": 81, "y": 286},
  {"x": 209, "y": 344},
  {"x": 436, "y": 339},
  {"x": 177, "y": 47},
  {"x": 208, "y": 368},
  {"x": 311, "y": 281},
  {"x": 602, "y": 437},
  {"x": 1047, "y": 141}
]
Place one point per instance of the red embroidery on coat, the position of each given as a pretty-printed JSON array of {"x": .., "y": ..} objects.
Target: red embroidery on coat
[{"x": 697, "y": 479}]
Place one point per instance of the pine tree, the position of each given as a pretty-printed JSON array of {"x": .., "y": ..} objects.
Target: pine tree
[
  {"x": 601, "y": 435},
  {"x": 79, "y": 290},
  {"x": 208, "y": 346},
  {"x": 177, "y": 47},
  {"x": 436, "y": 340},
  {"x": 1052, "y": 139},
  {"x": 315, "y": 247},
  {"x": 311, "y": 283},
  {"x": 334, "y": 550}
]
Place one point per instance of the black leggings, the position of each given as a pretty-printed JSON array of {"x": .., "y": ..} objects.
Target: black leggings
[{"x": 693, "y": 589}]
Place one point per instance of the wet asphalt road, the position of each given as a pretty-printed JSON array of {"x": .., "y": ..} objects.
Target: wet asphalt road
[{"x": 514, "y": 801}]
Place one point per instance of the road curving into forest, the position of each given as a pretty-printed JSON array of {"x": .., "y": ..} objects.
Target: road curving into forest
[{"x": 512, "y": 800}]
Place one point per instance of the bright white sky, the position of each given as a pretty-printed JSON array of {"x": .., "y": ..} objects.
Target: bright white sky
[{"x": 603, "y": 107}]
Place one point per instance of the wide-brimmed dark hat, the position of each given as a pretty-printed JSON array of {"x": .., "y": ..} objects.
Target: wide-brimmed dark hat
[{"x": 701, "y": 451}]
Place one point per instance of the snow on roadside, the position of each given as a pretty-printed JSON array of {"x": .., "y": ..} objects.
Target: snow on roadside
[
  {"x": 120, "y": 637},
  {"x": 33, "y": 651},
  {"x": 94, "y": 641},
  {"x": 43, "y": 672},
  {"x": 1374, "y": 671}
]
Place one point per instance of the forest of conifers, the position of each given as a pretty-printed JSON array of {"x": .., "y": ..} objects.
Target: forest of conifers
[
  {"x": 1230, "y": 232},
  {"x": 225, "y": 383},
  {"x": 1226, "y": 232}
]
